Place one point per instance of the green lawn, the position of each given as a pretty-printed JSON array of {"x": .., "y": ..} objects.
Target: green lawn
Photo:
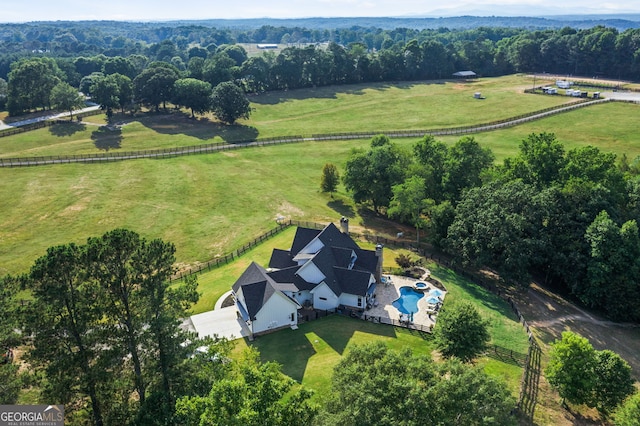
[
  {"x": 611, "y": 127},
  {"x": 350, "y": 108},
  {"x": 309, "y": 353},
  {"x": 210, "y": 204}
]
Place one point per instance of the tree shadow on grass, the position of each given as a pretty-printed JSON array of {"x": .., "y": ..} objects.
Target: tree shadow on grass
[
  {"x": 107, "y": 137},
  {"x": 342, "y": 208},
  {"x": 289, "y": 348},
  {"x": 66, "y": 129},
  {"x": 487, "y": 298},
  {"x": 180, "y": 123},
  {"x": 338, "y": 330},
  {"x": 331, "y": 92}
]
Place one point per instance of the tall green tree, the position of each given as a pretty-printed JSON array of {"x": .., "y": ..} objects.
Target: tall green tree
[
  {"x": 371, "y": 175},
  {"x": 613, "y": 268},
  {"x": 499, "y": 225},
  {"x": 254, "y": 393},
  {"x": 431, "y": 156},
  {"x": 165, "y": 307},
  {"x": 229, "y": 103},
  {"x": 30, "y": 83},
  {"x": 154, "y": 85},
  {"x": 105, "y": 91},
  {"x": 65, "y": 320},
  {"x": 66, "y": 98},
  {"x": 572, "y": 362},
  {"x": 466, "y": 161},
  {"x": 461, "y": 332},
  {"x": 112, "y": 263},
  {"x": 193, "y": 94},
  {"x": 466, "y": 395},
  {"x": 330, "y": 178},
  {"x": 373, "y": 384},
  {"x": 408, "y": 202},
  {"x": 614, "y": 382},
  {"x": 540, "y": 161}
]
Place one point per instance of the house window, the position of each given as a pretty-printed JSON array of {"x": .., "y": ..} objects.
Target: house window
[
  {"x": 359, "y": 301},
  {"x": 322, "y": 298}
]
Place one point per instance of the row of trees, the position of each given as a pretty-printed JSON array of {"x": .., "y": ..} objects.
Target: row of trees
[
  {"x": 489, "y": 51},
  {"x": 38, "y": 83},
  {"x": 102, "y": 329},
  {"x": 428, "y": 55},
  {"x": 569, "y": 217}
]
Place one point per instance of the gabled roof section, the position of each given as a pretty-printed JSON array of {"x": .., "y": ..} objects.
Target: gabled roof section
[
  {"x": 342, "y": 256},
  {"x": 332, "y": 237},
  {"x": 352, "y": 281},
  {"x": 253, "y": 274},
  {"x": 281, "y": 259},
  {"x": 290, "y": 276},
  {"x": 302, "y": 238},
  {"x": 257, "y": 288},
  {"x": 367, "y": 261}
]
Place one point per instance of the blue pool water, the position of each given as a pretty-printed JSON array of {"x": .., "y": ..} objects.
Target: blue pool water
[{"x": 407, "y": 303}]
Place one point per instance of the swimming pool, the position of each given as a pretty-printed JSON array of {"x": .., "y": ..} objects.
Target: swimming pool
[{"x": 407, "y": 303}]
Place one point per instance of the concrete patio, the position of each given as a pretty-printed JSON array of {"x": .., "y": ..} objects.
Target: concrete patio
[{"x": 387, "y": 293}]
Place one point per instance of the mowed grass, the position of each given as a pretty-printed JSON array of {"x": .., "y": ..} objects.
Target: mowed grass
[
  {"x": 206, "y": 205},
  {"x": 309, "y": 354},
  {"x": 611, "y": 127},
  {"x": 211, "y": 204},
  {"x": 350, "y": 108}
]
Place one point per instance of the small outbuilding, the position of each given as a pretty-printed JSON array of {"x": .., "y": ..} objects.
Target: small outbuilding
[{"x": 465, "y": 74}]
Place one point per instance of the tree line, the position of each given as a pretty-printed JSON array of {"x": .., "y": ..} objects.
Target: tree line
[
  {"x": 367, "y": 56},
  {"x": 569, "y": 218},
  {"x": 103, "y": 335}
]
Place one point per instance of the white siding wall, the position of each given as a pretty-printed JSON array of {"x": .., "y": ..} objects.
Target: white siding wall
[
  {"x": 324, "y": 298},
  {"x": 313, "y": 247},
  {"x": 310, "y": 273},
  {"x": 275, "y": 313},
  {"x": 352, "y": 300},
  {"x": 303, "y": 297}
]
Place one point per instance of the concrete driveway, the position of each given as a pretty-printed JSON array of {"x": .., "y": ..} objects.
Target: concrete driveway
[{"x": 223, "y": 322}]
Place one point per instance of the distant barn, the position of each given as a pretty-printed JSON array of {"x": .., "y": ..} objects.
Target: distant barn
[
  {"x": 465, "y": 74},
  {"x": 267, "y": 46}
]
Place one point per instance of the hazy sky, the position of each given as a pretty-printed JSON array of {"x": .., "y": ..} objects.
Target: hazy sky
[{"x": 153, "y": 10}]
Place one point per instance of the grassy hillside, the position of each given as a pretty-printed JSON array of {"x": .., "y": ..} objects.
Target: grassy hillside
[
  {"x": 352, "y": 108},
  {"x": 210, "y": 204}
]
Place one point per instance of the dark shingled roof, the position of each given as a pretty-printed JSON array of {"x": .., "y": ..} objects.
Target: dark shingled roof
[
  {"x": 336, "y": 255},
  {"x": 352, "y": 281},
  {"x": 281, "y": 259},
  {"x": 288, "y": 276},
  {"x": 333, "y": 260},
  {"x": 257, "y": 288},
  {"x": 303, "y": 237}
]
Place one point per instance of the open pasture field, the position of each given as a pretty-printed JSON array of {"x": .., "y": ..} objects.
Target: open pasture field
[
  {"x": 611, "y": 127},
  {"x": 351, "y": 108},
  {"x": 210, "y": 204}
]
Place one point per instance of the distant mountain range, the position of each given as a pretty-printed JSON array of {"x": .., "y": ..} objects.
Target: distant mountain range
[{"x": 619, "y": 21}]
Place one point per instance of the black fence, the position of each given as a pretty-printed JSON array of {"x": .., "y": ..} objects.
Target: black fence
[
  {"x": 224, "y": 146},
  {"x": 45, "y": 123}
]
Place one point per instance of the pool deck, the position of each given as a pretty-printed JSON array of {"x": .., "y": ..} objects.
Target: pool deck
[{"x": 387, "y": 293}]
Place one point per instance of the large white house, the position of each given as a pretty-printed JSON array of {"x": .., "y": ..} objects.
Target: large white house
[{"x": 324, "y": 269}]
